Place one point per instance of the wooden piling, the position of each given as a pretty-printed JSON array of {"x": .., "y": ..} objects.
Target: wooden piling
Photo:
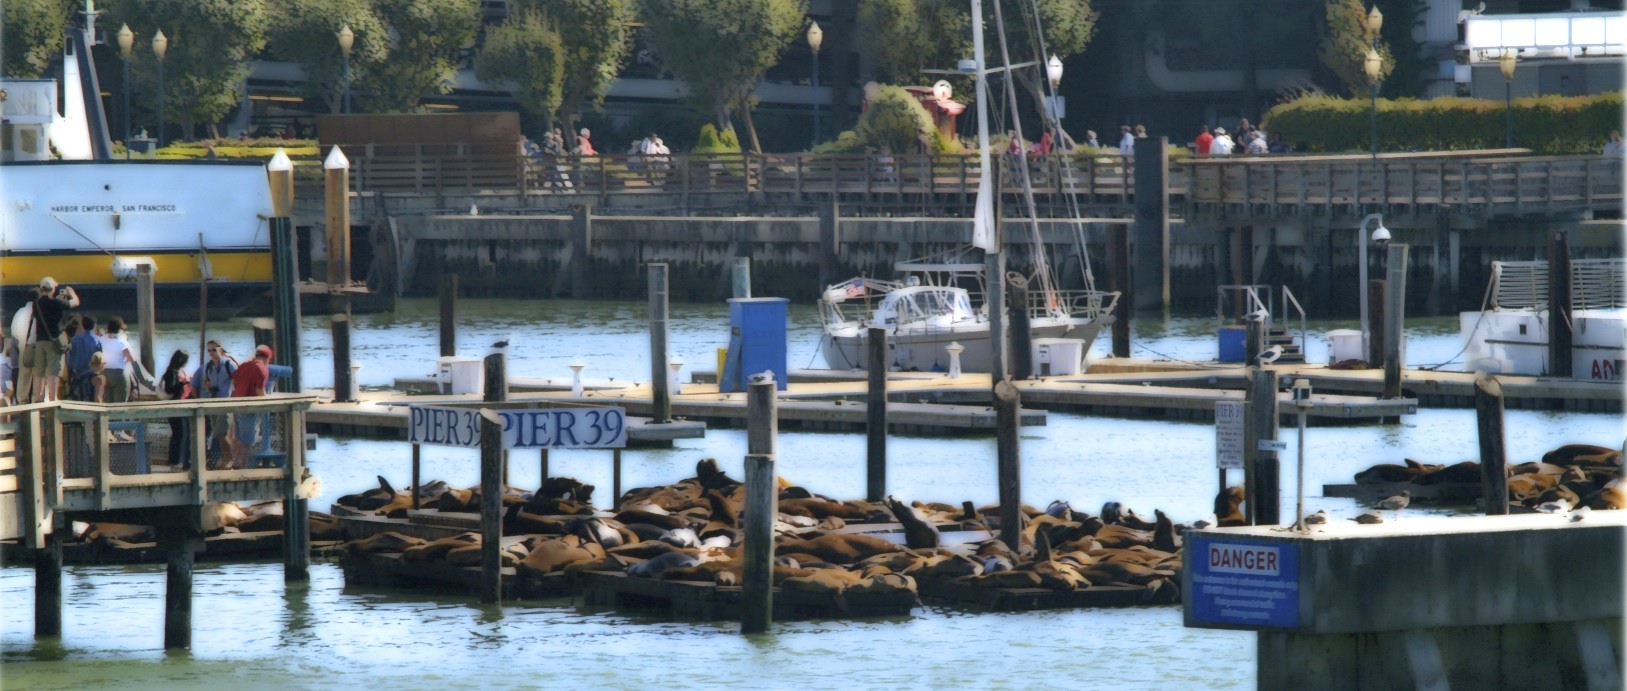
[
  {"x": 146, "y": 313},
  {"x": 1395, "y": 312},
  {"x": 417, "y": 477},
  {"x": 762, "y": 418},
  {"x": 341, "y": 352},
  {"x": 1488, "y": 409},
  {"x": 1377, "y": 297},
  {"x": 449, "y": 315},
  {"x": 1262, "y": 470},
  {"x": 757, "y": 588},
  {"x": 659, "y": 383},
  {"x": 285, "y": 296},
  {"x": 1022, "y": 338},
  {"x": 876, "y": 418},
  {"x": 337, "y": 191},
  {"x": 491, "y": 501},
  {"x": 496, "y": 375},
  {"x": 296, "y": 509},
  {"x": 1559, "y": 307},
  {"x": 1118, "y": 252},
  {"x": 1254, "y": 342},
  {"x": 48, "y": 583},
  {"x": 180, "y": 537},
  {"x": 1007, "y": 403},
  {"x": 615, "y": 479}
]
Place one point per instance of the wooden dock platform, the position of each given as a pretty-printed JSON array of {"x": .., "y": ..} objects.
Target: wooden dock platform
[
  {"x": 266, "y": 544},
  {"x": 385, "y": 414},
  {"x": 1438, "y": 493},
  {"x": 709, "y": 601}
]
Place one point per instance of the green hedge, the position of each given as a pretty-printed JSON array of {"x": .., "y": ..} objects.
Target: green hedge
[{"x": 1545, "y": 124}]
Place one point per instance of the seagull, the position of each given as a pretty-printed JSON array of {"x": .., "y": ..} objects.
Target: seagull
[
  {"x": 1396, "y": 503},
  {"x": 1553, "y": 507},
  {"x": 1318, "y": 518},
  {"x": 1369, "y": 518},
  {"x": 1258, "y": 315},
  {"x": 1270, "y": 355},
  {"x": 500, "y": 344}
]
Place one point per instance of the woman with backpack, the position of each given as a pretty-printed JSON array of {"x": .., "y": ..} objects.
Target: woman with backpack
[{"x": 176, "y": 385}]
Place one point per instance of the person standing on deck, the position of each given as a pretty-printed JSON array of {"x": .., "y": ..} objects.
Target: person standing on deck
[
  {"x": 176, "y": 385},
  {"x": 249, "y": 380},
  {"x": 79, "y": 352},
  {"x": 1127, "y": 141},
  {"x": 1201, "y": 144},
  {"x": 22, "y": 335},
  {"x": 120, "y": 361},
  {"x": 49, "y": 309},
  {"x": 213, "y": 379}
]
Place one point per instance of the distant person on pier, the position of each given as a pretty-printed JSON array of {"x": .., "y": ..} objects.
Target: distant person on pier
[
  {"x": 1127, "y": 141},
  {"x": 1090, "y": 140},
  {"x": 8, "y": 355},
  {"x": 1257, "y": 145},
  {"x": 49, "y": 347},
  {"x": 1201, "y": 144},
  {"x": 80, "y": 349},
  {"x": 248, "y": 381},
  {"x": 176, "y": 385},
  {"x": 213, "y": 379},
  {"x": 584, "y": 146},
  {"x": 1222, "y": 146},
  {"x": 98, "y": 379},
  {"x": 120, "y": 362},
  {"x": 1614, "y": 145}
]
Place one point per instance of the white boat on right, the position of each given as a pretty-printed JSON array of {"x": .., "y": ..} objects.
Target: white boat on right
[{"x": 1510, "y": 336}]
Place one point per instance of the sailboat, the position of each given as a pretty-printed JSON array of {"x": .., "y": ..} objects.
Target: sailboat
[{"x": 930, "y": 315}]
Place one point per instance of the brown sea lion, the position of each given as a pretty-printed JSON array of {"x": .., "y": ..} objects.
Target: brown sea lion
[
  {"x": 550, "y": 555},
  {"x": 817, "y": 507},
  {"x": 1006, "y": 579},
  {"x": 564, "y": 488},
  {"x": 1228, "y": 503},
  {"x": 837, "y": 548},
  {"x": 1122, "y": 573},
  {"x": 383, "y": 542},
  {"x": 435, "y": 550},
  {"x": 918, "y": 533},
  {"x": 709, "y": 477},
  {"x": 883, "y": 584},
  {"x": 455, "y": 500},
  {"x": 646, "y": 550},
  {"x": 954, "y": 566},
  {"x": 1390, "y": 472},
  {"x": 654, "y": 567},
  {"x": 1571, "y": 454},
  {"x": 1163, "y": 535},
  {"x": 475, "y": 555},
  {"x": 631, "y": 517},
  {"x": 1467, "y": 471},
  {"x": 325, "y": 527},
  {"x": 1120, "y": 536},
  {"x": 370, "y": 499}
]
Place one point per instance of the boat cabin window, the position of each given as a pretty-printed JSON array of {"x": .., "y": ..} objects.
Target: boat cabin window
[{"x": 912, "y": 306}]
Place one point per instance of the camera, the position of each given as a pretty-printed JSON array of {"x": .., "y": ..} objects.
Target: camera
[{"x": 61, "y": 291}]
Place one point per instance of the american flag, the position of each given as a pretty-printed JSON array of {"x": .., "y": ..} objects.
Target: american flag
[{"x": 856, "y": 289}]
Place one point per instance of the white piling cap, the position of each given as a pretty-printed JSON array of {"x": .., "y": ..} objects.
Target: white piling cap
[
  {"x": 279, "y": 162},
  {"x": 336, "y": 160}
]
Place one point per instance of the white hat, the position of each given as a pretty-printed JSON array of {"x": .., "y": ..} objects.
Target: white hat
[
  {"x": 1220, "y": 130},
  {"x": 47, "y": 284},
  {"x": 584, "y": 132}
]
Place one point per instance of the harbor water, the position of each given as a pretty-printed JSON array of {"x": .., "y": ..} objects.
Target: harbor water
[{"x": 252, "y": 629}]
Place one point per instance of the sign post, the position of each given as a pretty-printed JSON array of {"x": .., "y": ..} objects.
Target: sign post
[{"x": 1228, "y": 438}]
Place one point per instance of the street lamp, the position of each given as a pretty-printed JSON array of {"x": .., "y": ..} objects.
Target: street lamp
[
  {"x": 1373, "y": 65},
  {"x": 160, "y": 47},
  {"x": 816, "y": 37},
  {"x": 1053, "y": 73},
  {"x": 127, "y": 40},
  {"x": 1507, "y": 64},
  {"x": 347, "y": 39},
  {"x": 1380, "y": 234}
]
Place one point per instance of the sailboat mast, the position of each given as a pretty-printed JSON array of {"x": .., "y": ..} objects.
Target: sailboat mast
[{"x": 985, "y": 230}]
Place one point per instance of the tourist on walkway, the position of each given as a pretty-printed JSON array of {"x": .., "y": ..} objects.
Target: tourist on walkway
[
  {"x": 584, "y": 145},
  {"x": 176, "y": 385},
  {"x": 1614, "y": 145},
  {"x": 1127, "y": 141},
  {"x": 1257, "y": 145},
  {"x": 1222, "y": 146},
  {"x": 213, "y": 379},
  {"x": 248, "y": 381},
  {"x": 22, "y": 332},
  {"x": 1090, "y": 140},
  {"x": 83, "y": 345},
  {"x": 1201, "y": 144},
  {"x": 120, "y": 361},
  {"x": 49, "y": 346}
]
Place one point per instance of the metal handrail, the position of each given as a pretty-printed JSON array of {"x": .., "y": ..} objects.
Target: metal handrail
[{"x": 1287, "y": 297}]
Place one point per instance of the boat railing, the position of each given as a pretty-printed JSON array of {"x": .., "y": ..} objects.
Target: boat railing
[{"x": 1598, "y": 283}]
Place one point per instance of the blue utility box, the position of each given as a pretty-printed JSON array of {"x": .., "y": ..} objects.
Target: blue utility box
[
  {"x": 757, "y": 342},
  {"x": 1233, "y": 343}
]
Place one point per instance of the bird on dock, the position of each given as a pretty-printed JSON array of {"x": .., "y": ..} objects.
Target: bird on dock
[
  {"x": 1396, "y": 503},
  {"x": 1318, "y": 518},
  {"x": 1554, "y": 507},
  {"x": 1369, "y": 518},
  {"x": 1258, "y": 315},
  {"x": 1270, "y": 355}
]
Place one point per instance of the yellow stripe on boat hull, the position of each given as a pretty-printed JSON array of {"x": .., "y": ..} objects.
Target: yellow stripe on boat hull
[{"x": 252, "y": 266}]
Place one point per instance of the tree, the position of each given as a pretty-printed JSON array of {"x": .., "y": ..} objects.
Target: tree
[
  {"x": 596, "y": 41},
  {"x": 32, "y": 32},
  {"x": 720, "y": 48},
  {"x": 427, "y": 37},
  {"x": 210, "y": 44},
  {"x": 1066, "y": 27},
  {"x": 1345, "y": 46},
  {"x": 306, "y": 33},
  {"x": 526, "y": 53},
  {"x": 903, "y": 37},
  {"x": 1407, "y": 75}
]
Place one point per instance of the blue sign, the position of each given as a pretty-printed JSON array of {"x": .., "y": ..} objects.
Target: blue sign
[
  {"x": 1243, "y": 582},
  {"x": 553, "y": 428}
]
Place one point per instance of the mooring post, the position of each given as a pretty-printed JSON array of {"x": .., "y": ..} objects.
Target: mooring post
[
  {"x": 875, "y": 428},
  {"x": 1022, "y": 338},
  {"x": 1118, "y": 249},
  {"x": 496, "y": 374},
  {"x": 180, "y": 536},
  {"x": 449, "y": 315},
  {"x": 1395, "y": 312},
  {"x": 1262, "y": 471},
  {"x": 1377, "y": 292},
  {"x": 1488, "y": 409},
  {"x": 491, "y": 501},
  {"x": 146, "y": 313},
  {"x": 741, "y": 278},
  {"x": 762, "y": 505},
  {"x": 296, "y": 509},
  {"x": 1255, "y": 343},
  {"x": 615, "y": 479},
  {"x": 994, "y": 276},
  {"x": 1007, "y": 407},
  {"x": 341, "y": 351},
  {"x": 542, "y": 462},
  {"x": 285, "y": 295},
  {"x": 1560, "y": 337},
  {"x": 48, "y": 582},
  {"x": 659, "y": 383},
  {"x": 417, "y": 466}
]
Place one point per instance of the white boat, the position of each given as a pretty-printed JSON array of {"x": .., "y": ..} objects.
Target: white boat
[
  {"x": 931, "y": 307},
  {"x": 1510, "y": 336},
  {"x": 70, "y": 211}
]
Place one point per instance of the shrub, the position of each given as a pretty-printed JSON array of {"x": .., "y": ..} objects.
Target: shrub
[
  {"x": 710, "y": 141},
  {"x": 896, "y": 120},
  {"x": 1545, "y": 124}
]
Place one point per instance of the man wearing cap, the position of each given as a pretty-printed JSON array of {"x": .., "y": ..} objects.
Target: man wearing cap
[
  {"x": 49, "y": 309},
  {"x": 250, "y": 379}
]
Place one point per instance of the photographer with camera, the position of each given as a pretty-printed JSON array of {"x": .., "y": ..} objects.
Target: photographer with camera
[{"x": 49, "y": 344}]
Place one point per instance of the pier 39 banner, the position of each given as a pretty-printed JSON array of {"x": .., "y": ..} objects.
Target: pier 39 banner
[{"x": 552, "y": 428}]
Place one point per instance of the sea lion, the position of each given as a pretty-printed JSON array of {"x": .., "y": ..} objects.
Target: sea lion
[
  {"x": 680, "y": 537},
  {"x": 599, "y": 530},
  {"x": 1120, "y": 536},
  {"x": 1060, "y": 509},
  {"x": 383, "y": 542},
  {"x": 883, "y": 584},
  {"x": 630, "y": 517},
  {"x": 655, "y": 566},
  {"x": 1571, "y": 454},
  {"x": 263, "y": 517},
  {"x": 475, "y": 555},
  {"x": 795, "y": 492},
  {"x": 918, "y": 533},
  {"x": 817, "y": 507},
  {"x": 1112, "y": 512},
  {"x": 709, "y": 477},
  {"x": 325, "y": 527},
  {"x": 564, "y": 488},
  {"x": 1228, "y": 505},
  {"x": 370, "y": 499},
  {"x": 1122, "y": 573},
  {"x": 548, "y": 556},
  {"x": 1390, "y": 472},
  {"x": 954, "y": 566},
  {"x": 1006, "y": 579},
  {"x": 436, "y": 550},
  {"x": 1057, "y": 575},
  {"x": 1467, "y": 471},
  {"x": 838, "y": 548},
  {"x": 455, "y": 500},
  {"x": 217, "y": 515},
  {"x": 1163, "y": 535},
  {"x": 644, "y": 550}
]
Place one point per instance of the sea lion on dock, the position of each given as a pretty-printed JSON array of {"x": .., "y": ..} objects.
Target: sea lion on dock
[
  {"x": 475, "y": 555},
  {"x": 655, "y": 566},
  {"x": 435, "y": 550},
  {"x": 383, "y": 542},
  {"x": 371, "y": 499},
  {"x": 1121, "y": 536},
  {"x": 1163, "y": 535},
  {"x": 818, "y": 508},
  {"x": 918, "y": 533},
  {"x": 1390, "y": 472},
  {"x": 1006, "y": 579},
  {"x": 1572, "y": 454},
  {"x": 1228, "y": 505},
  {"x": 838, "y": 548},
  {"x": 564, "y": 488},
  {"x": 709, "y": 477},
  {"x": 325, "y": 527},
  {"x": 630, "y": 517},
  {"x": 1467, "y": 471},
  {"x": 548, "y": 556},
  {"x": 454, "y": 500}
]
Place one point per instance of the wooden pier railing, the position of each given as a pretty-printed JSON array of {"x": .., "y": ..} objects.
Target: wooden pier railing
[{"x": 1501, "y": 181}]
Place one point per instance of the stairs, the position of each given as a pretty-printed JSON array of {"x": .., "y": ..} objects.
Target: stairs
[{"x": 1291, "y": 352}]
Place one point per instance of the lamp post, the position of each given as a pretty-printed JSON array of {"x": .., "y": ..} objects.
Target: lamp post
[
  {"x": 1380, "y": 234},
  {"x": 347, "y": 40},
  {"x": 127, "y": 40},
  {"x": 1053, "y": 74},
  {"x": 816, "y": 37},
  {"x": 1373, "y": 66},
  {"x": 160, "y": 47},
  {"x": 1506, "y": 64}
]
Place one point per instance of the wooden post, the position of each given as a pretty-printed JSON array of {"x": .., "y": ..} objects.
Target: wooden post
[
  {"x": 491, "y": 501},
  {"x": 180, "y": 538},
  {"x": 1007, "y": 405},
  {"x": 615, "y": 479},
  {"x": 994, "y": 276},
  {"x": 762, "y": 418},
  {"x": 449, "y": 315},
  {"x": 296, "y": 510},
  {"x": 1488, "y": 409},
  {"x": 1377, "y": 296},
  {"x": 741, "y": 278},
  {"x": 1255, "y": 343},
  {"x": 1559, "y": 307},
  {"x": 1118, "y": 250},
  {"x": 417, "y": 465},
  {"x": 1262, "y": 470},
  {"x": 146, "y": 313},
  {"x": 876, "y": 418},
  {"x": 1395, "y": 313},
  {"x": 659, "y": 383},
  {"x": 285, "y": 295},
  {"x": 341, "y": 351},
  {"x": 757, "y": 591},
  {"x": 48, "y": 583},
  {"x": 1022, "y": 337},
  {"x": 542, "y": 462},
  {"x": 496, "y": 373},
  {"x": 337, "y": 189}
]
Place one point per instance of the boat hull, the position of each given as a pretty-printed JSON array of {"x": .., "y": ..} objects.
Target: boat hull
[{"x": 848, "y": 347}]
